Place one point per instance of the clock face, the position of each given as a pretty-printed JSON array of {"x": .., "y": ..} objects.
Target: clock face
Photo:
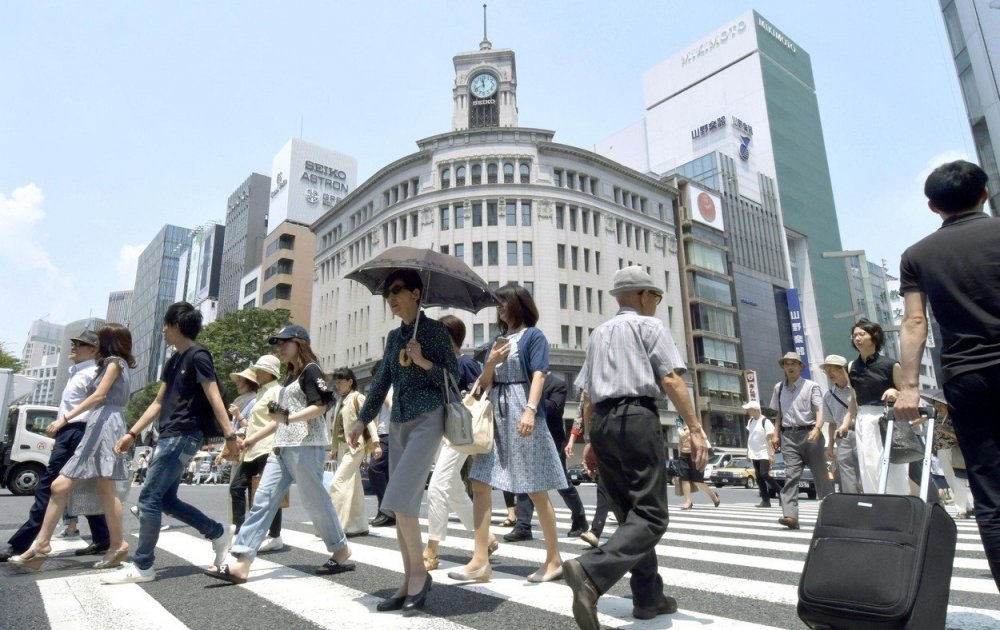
[{"x": 483, "y": 85}]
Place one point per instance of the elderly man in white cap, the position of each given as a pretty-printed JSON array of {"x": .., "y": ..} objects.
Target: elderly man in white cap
[
  {"x": 760, "y": 453},
  {"x": 798, "y": 434},
  {"x": 840, "y": 408},
  {"x": 631, "y": 360}
]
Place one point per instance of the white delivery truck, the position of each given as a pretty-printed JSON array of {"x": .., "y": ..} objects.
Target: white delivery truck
[{"x": 24, "y": 447}]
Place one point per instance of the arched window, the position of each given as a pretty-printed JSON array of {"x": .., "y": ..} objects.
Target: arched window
[
  {"x": 460, "y": 176},
  {"x": 477, "y": 174},
  {"x": 525, "y": 174},
  {"x": 446, "y": 177},
  {"x": 491, "y": 173},
  {"x": 508, "y": 173}
]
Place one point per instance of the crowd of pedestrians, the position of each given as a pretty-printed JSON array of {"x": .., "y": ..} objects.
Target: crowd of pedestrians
[{"x": 280, "y": 429}]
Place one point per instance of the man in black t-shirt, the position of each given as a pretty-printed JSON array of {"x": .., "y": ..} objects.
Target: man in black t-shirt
[
  {"x": 188, "y": 388},
  {"x": 957, "y": 270}
]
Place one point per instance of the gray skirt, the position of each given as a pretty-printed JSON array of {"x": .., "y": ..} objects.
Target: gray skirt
[
  {"x": 95, "y": 456},
  {"x": 413, "y": 446}
]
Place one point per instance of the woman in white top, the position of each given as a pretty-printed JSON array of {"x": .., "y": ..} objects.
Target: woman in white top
[
  {"x": 346, "y": 490},
  {"x": 759, "y": 432}
]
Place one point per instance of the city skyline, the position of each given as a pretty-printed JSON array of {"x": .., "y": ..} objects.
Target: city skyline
[{"x": 152, "y": 134}]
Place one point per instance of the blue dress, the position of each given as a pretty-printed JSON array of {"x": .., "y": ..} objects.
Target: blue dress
[
  {"x": 519, "y": 464},
  {"x": 95, "y": 456}
]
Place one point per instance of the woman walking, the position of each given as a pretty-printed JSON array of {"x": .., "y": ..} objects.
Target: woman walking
[
  {"x": 256, "y": 449},
  {"x": 301, "y": 439},
  {"x": 446, "y": 489},
  {"x": 346, "y": 490},
  {"x": 524, "y": 458},
  {"x": 945, "y": 444},
  {"x": 94, "y": 457},
  {"x": 689, "y": 476},
  {"x": 417, "y": 356}
]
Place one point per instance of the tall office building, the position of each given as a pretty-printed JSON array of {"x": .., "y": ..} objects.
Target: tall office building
[
  {"x": 974, "y": 34},
  {"x": 246, "y": 225},
  {"x": 199, "y": 269},
  {"x": 746, "y": 92},
  {"x": 120, "y": 307},
  {"x": 40, "y": 359},
  {"x": 155, "y": 289}
]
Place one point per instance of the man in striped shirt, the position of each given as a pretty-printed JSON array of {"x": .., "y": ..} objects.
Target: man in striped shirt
[{"x": 630, "y": 360}]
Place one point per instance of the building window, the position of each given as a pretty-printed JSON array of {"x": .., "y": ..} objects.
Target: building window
[
  {"x": 712, "y": 289},
  {"x": 573, "y": 255},
  {"x": 525, "y": 213},
  {"x": 597, "y": 262},
  {"x": 250, "y": 287},
  {"x": 600, "y": 302},
  {"x": 716, "y": 352},
  {"x": 460, "y": 251},
  {"x": 511, "y": 253},
  {"x": 445, "y": 249},
  {"x": 285, "y": 241},
  {"x": 283, "y": 266},
  {"x": 590, "y": 300},
  {"x": 584, "y": 220},
  {"x": 250, "y": 304},
  {"x": 459, "y": 217},
  {"x": 445, "y": 178},
  {"x": 525, "y": 174},
  {"x": 597, "y": 224},
  {"x": 491, "y": 213},
  {"x": 561, "y": 256},
  {"x": 586, "y": 260},
  {"x": 572, "y": 219},
  {"x": 508, "y": 173},
  {"x": 445, "y": 215},
  {"x": 706, "y": 257},
  {"x": 477, "y": 254},
  {"x": 460, "y": 176},
  {"x": 563, "y": 293},
  {"x": 576, "y": 298},
  {"x": 511, "y": 212},
  {"x": 527, "y": 256},
  {"x": 477, "y": 214},
  {"x": 477, "y": 335},
  {"x": 493, "y": 253},
  {"x": 560, "y": 217},
  {"x": 557, "y": 177},
  {"x": 491, "y": 173},
  {"x": 565, "y": 336},
  {"x": 712, "y": 319},
  {"x": 477, "y": 174},
  {"x": 529, "y": 286},
  {"x": 579, "y": 337}
]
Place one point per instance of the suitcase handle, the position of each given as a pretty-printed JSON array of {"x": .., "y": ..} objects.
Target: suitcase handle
[{"x": 925, "y": 473}]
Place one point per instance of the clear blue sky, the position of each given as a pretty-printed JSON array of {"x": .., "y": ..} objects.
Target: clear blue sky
[{"x": 118, "y": 117}]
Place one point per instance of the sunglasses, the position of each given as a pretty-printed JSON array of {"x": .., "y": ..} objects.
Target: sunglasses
[
  {"x": 80, "y": 344},
  {"x": 657, "y": 296},
  {"x": 394, "y": 290}
]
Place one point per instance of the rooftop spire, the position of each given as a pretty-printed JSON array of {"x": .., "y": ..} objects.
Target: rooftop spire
[{"x": 485, "y": 44}]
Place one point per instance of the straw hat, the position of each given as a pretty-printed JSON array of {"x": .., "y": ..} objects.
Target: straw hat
[{"x": 248, "y": 374}]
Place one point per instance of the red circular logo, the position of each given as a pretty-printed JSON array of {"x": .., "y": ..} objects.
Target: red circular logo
[{"x": 706, "y": 207}]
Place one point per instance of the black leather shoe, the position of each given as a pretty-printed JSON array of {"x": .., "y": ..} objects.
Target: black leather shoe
[
  {"x": 416, "y": 602},
  {"x": 383, "y": 520},
  {"x": 762, "y": 504},
  {"x": 390, "y": 604},
  {"x": 668, "y": 606},
  {"x": 585, "y": 595},
  {"x": 7, "y": 554},
  {"x": 93, "y": 549},
  {"x": 518, "y": 535},
  {"x": 577, "y": 527}
]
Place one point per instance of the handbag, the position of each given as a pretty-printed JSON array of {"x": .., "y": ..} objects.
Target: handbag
[
  {"x": 475, "y": 420},
  {"x": 906, "y": 445},
  {"x": 457, "y": 417},
  {"x": 255, "y": 481}
]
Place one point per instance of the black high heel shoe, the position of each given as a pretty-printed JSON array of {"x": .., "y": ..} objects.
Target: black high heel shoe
[
  {"x": 391, "y": 603},
  {"x": 414, "y": 603}
]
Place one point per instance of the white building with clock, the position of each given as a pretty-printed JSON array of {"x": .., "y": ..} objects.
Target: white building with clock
[{"x": 516, "y": 207}]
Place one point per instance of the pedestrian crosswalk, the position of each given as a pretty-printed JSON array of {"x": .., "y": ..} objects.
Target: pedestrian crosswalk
[{"x": 729, "y": 567}]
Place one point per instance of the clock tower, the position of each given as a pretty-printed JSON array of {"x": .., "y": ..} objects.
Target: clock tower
[{"x": 485, "y": 91}]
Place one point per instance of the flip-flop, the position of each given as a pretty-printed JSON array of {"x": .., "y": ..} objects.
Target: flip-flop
[
  {"x": 225, "y": 575},
  {"x": 332, "y": 567}
]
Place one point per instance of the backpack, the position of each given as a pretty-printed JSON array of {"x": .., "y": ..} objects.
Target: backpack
[{"x": 201, "y": 406}]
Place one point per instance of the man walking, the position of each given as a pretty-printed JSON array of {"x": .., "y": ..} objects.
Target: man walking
[
  {"x": 187, "y": 383},
  {"x": 798, "y": 433},
  {"x": 554, "y": 399},
  {"x": 839, "y": 409},
  {"x": 760, "y": 453},
  {"x": 83, "y": 353},
  {"x": 630, "y": 360},
  {"x": 956, "y": 270}
]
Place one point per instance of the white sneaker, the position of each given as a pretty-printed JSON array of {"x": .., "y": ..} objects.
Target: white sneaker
[
  {"x": 271, "y": 544},
  {"x": 129, "y": 573},
  {"x": 68, "y": 533},
  {"x": 221, "y": 544}
]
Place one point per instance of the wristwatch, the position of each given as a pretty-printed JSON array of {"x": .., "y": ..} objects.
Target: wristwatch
[
  {"x": 532, "y": 407},
  {"x": 231, "y": 437}
]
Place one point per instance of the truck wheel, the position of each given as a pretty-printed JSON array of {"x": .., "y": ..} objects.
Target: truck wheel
[
  {"x": 751, "y": 483},
  {"x": 24, "y": 479}
]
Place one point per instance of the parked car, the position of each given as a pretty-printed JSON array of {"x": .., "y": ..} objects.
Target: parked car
[
  {"x": 717, "y": 461},
  {"x": 672, "y": 472},
  {"x": 578, "y": 475},
  {"x": 738, "y": 472}
]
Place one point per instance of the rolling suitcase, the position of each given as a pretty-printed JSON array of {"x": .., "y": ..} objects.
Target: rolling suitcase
[{"x": 880, "y": 561}]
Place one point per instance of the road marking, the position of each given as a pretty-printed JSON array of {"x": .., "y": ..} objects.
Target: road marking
[{"x": 81, "y": 601}]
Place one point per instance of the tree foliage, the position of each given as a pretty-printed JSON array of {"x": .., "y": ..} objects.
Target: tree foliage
[
  {"x": 8, "y": 360},
  {"x": 237, "y": 339},
  {"x": 139, "y": 401}
]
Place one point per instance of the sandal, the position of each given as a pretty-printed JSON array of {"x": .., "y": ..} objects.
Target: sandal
[
  {"x": 332, "y": 567},
  {"x": 225, "y": 575},
  {"x": 430, "y": 562},
  {"x": 508, "y": 522}
]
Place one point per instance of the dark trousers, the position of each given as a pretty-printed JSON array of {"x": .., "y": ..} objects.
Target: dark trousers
[
  {"x": 378, "y": 469},
  {"x": 600, "y": 510},
  {"x": 765, "y": 482},
  {"x": 625, "y": 437},
  {"x": 66, "y": 442},
  {"x": 526, "y": 507},
  {"x": 239, "y": 492},
  {"x": 974, "y": 398}
]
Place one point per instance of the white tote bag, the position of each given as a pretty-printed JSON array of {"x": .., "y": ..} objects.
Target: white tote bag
[{"x": 481, "y": 411}]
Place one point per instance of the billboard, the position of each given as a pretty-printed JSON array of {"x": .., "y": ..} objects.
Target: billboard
[
  {"x": 307, "y": 181},
  {"x": 705, "y": 207},
  {"x": 798, "y": 329}
]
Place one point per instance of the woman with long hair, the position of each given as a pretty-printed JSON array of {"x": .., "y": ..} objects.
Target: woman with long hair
[
  {"x": 446, "y": 489},
  {"x": 346, "y": 490},
  {"x": 301, "y": 440},
  {"x": 417, "y": 356},
  {"x": 524, "y": 458},
  {"x": 94, "y": 458}
]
